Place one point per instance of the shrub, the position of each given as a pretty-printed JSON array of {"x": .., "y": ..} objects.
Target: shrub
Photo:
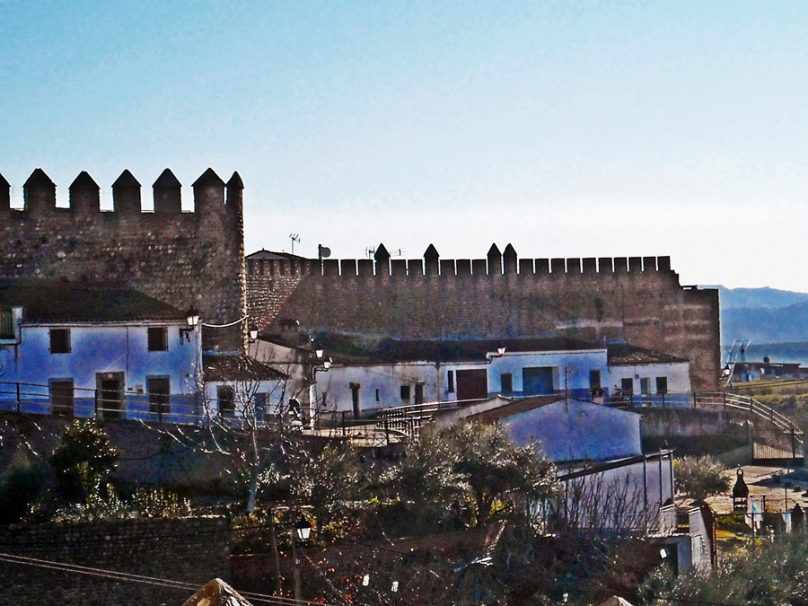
[
  {"x": 19, "y": 487},
  {"x": 84, "y": 457}
]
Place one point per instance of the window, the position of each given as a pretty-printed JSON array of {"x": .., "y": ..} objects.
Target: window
[
  {"x": 158, "y": 389},
  {"x": 419, "y": 393},
  {"x": 506, "y": 382},
  {"x": 627, "y": 387},
  {"x": 61, "y": 396},
  {"x": 645, "y": 386},
  {"x": 60, "y": 340},
  {"x": 594, "y": 379},
  {"x": 227, "y": 400},
  {"x": 158, "y": 338},
  {"x": 662, "y": 384},
  {"x": 6, "y": 324},
  {"x": 261, "y": 400},
  {"x": 377, "y": 395},
  {"x": 405, "y": 393},
  {"x": 450, "y": 382}
]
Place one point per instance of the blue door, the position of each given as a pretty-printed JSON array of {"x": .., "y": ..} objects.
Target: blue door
[{"x": 537, "y": 380}]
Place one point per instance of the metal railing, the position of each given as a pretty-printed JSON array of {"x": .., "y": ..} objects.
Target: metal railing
[
  {"x": 84, "y": 402},
  {"x": 778, "y": 439},
  {"x": 713, "y": 399}
]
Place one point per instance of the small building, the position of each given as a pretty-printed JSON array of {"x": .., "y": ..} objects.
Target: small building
[
  {"x": 241, "y": 388},
  {"x": 765, "y": 370},
  {"x": 83, "y": 351},
  {"x": 367, "y": 374}
]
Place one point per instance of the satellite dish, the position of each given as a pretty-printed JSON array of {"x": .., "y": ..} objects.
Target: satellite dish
[{"x": 323, "y": 251}]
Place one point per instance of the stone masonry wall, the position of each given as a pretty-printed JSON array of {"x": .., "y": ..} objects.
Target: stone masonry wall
[
  {"x": 191, "y": 550},
  {"x": 178, "y": 257},
  {"x": 635, "y": 300}
]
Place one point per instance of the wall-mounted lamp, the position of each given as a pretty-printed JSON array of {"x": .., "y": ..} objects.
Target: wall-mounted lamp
[
  {"x": 318, "y": 353},
  {"x": 499, "y": 353},
  {"x": 192, "y": 321},
  {"x": 253, "y": 332}
]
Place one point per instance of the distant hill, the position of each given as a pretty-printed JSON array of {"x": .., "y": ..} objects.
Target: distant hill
[
  {"x": 765, "y": 324},
  {"x": 766, "y": 316},
  {"x": 778, "y": 352},
  {"x": 733, "y": 298}
]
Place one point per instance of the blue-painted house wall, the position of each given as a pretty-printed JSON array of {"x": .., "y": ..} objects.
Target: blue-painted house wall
[
  {"x": 102, "y": 348},
  {"x": 577, "y": 431}
]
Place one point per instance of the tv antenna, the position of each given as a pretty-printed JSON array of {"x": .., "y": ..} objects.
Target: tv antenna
[
  {"x": 370, "y": 251},
  {"x": 295, "y": 237}
]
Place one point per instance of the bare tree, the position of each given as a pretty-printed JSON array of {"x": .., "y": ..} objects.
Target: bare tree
[{"x": 251, "y": 426}]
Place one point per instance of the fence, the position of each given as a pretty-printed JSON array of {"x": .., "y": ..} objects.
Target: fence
[
  {"x": 82, "y": 402},
  {"x": 778, "y": 439}
]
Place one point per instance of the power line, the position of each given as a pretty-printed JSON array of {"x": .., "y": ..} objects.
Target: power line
[{"x": 136, "y": 578}]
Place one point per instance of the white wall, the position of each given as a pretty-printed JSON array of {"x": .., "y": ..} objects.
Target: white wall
[
  {"x": 637, "y": 492},
  {"x": 677, "y": 373},
  {"x": 386, "y": 379},
  {"x": 101, "y": 348}
]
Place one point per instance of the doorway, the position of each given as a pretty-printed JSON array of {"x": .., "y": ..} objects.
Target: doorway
[
  {"x": 109, "y": 394},
  {"x": 355, "y": 400},
  {"x": 472, "y": 384},
  {"x": 537, "y": 380}
]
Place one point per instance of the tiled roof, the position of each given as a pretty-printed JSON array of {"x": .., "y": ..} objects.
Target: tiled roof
[
  {"x": 347, "y": 348},
  {"x": 623, "y": 354},
  {"x": 230, "y": 367},
  {"x": 272, "y": 255},
  {"x": 47, "y": 301}
]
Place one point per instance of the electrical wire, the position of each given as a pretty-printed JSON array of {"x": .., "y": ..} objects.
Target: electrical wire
[{"x": 136, "y": 578}]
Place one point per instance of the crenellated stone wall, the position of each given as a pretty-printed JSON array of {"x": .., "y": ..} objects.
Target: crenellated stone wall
[
  {"x": 638, "y": 300},
  {"x": 182, "y": 258}
]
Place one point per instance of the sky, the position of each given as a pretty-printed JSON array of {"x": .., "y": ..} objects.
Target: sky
[{"x": 569, "y": 129}]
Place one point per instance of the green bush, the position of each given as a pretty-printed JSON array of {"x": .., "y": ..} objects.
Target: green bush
[
  {"x": 19, "y": 487},
  {"x": 84, "y": 458}
]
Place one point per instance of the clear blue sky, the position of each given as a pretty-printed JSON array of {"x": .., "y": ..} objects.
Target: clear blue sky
[{"x": 566, "y": 128}]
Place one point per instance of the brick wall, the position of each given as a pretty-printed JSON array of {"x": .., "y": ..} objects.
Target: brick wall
[
  {"x": 636, "y": 300},
  {"x": 178, "y": 257},
  {"x": 191, "y": 550}
]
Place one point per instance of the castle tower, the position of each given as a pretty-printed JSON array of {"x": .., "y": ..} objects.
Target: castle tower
[
  {"x": 167, "y": 197},
  {"x": 126, "y": 194},
  {"x": 85, "y": 194},
  {"x": 39, "y": 192}
]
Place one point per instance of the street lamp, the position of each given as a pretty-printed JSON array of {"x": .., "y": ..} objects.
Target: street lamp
[
  {"x": 326, "y": 364},
  {"x": 302, "y": 531},
  {"x": 192, "y": 321}
]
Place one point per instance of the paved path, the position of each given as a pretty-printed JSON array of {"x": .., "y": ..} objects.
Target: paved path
[{"x": 760, "y": 480}]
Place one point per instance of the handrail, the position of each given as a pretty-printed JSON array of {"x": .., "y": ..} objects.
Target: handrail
[{"x": 745, "y": 403}]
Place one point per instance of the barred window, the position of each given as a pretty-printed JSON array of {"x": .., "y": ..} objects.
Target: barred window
[{"x": 6, "y": 324}]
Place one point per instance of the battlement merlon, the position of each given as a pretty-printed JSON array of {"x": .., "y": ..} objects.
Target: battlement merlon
[
  {"x": 211, "y": 196},
  {"x": 496, "y": 264}
]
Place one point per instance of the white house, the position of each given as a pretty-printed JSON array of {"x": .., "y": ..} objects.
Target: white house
[
  {"x": 609, "y": 483},
  {"x": 82, "y": 351},
  {"x": 367, "y": 374},
  {"x": 639, "y": 375},
  {"x": 242, "y": 388}
]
